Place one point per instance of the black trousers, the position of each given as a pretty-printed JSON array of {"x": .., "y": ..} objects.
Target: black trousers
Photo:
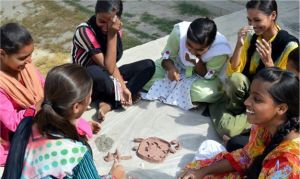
[
  {"x": 136, "y": 74},
  {"x": 238, "y": 141}
]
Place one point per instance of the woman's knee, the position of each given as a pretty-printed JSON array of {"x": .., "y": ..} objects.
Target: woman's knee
[
  {"x": 232, "y": 125},
  {"x": 206, "y": 92},
  {"x": 149, "y": 65},
  {"x": 238, "y": 82},
  {"x": 102, "y": 80}
]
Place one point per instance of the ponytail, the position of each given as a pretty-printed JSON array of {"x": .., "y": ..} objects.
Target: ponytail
[
  {"x": 14, "y": 163},
  {"x": 49, "y": 121}
]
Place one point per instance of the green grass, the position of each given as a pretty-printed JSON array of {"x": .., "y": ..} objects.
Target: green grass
[
  {"x": 126, "y": 14},
  {"x": 138, "y": 33},
  {"x": 186, "y": 8},
  {"x": 79, "y": 7},
  {"x": 162, "y": 24},
  {"x": 130, "y": 41}
]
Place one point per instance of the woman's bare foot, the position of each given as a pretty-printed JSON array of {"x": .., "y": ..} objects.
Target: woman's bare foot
[
  {"x": 103, "y": 109},
  {"x": 96, "y": 127},
  {"x": 225, "y": 138}
]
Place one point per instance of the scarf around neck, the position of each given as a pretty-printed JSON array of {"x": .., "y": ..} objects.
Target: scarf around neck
[{"x": 26, "y": 94}]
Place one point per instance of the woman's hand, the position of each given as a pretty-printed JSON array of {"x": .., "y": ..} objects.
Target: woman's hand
[
  {"x": 96, "y": 127},
  {"x": 117, "y": 170},
  {"x": 242, "y": 35},
  {"x": 173, "y": 74},
  {"x": 264, "y": 50},
  {"x": 114, "y": 25},
  {"x": 191, "y": 174},
  {"x": 126, "y": 98}
]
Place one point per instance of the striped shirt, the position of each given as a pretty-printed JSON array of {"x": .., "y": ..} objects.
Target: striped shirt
[{"x": 85, "y": 45}]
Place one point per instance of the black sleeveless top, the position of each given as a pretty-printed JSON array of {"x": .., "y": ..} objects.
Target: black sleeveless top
[{"x": 278, "y": 45}]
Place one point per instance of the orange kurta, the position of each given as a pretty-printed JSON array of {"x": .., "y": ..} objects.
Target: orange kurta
[{"x": 282, "y": 162}]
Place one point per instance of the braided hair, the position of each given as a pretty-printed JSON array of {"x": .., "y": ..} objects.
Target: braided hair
[{"x": 284, "y": 89}]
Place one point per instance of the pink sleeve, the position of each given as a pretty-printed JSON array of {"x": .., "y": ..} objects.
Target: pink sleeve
[
  {"x": 84, "y": 128},
  {"x": 9, "y": 116},
  {"x": 92, "y": 38}
]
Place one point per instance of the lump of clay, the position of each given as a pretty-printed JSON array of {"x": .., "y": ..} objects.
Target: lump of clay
[
  {"x": 153, "y": 149},
  {"x": 104, "y": 143}
]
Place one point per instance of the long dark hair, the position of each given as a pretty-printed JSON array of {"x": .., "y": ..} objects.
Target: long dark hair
[
  {"x": 65, "y": 85},
  {"x": 14, "y": 37},
  {"x": 202, "y": 31},
  {"x": 109, "y": 6},
  {"x": 284, "y": 89}
]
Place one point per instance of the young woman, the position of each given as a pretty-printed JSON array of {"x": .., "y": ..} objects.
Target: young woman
[
  {"x": 97, "y": 45},
  {"x": 239, "y": 141},
  {"x": 48, "y": 146},
  {"x": 260, "y": 44},
  {"x": 192, "y": 63},
  {"x": 21, "y": 84},
  {"x": 273, "y": 148}
]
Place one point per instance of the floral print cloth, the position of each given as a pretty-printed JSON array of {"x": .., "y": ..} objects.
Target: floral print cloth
[{"x": 282, "y": 162}]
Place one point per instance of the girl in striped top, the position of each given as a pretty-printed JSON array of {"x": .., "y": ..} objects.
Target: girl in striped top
[{"x": 97, "y": 45}]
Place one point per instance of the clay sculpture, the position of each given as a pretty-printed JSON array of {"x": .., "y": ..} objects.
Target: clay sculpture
[
  {"x": 154, "y": 149},
  {"x": 117, "y": 155}
]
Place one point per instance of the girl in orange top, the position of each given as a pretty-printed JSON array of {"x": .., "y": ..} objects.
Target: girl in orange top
[{"x": 273, "y": 149}]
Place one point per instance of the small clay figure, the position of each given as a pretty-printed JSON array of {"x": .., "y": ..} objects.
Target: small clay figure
[
  {"x": 172, "y": 150},
  {"x": 117, "y": 155},
  {"x": 109, "y": 157},
  {"x": 126, "y": 157}
]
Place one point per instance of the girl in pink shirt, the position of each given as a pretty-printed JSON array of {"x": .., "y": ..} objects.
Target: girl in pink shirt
[{"x": 21, "y": 84}]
